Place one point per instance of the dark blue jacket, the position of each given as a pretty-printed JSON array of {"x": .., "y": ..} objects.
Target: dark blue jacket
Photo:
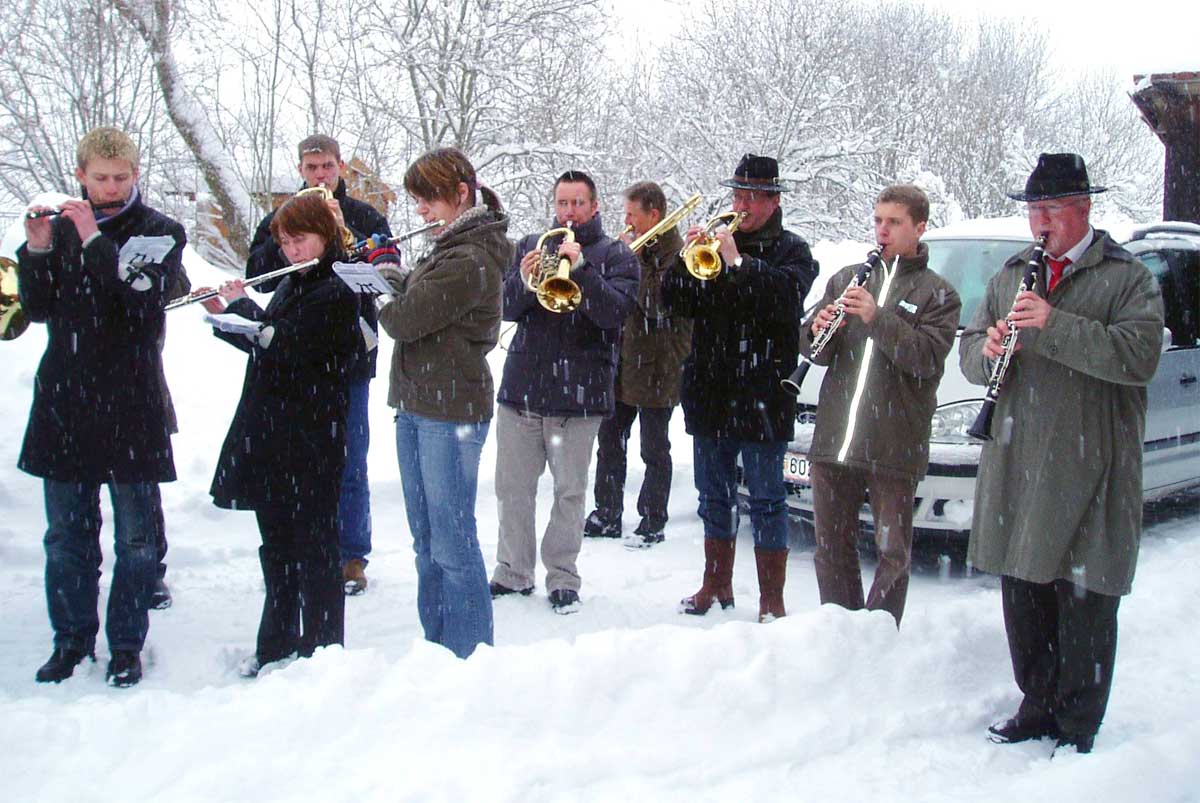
[
  {"x": 563, "y": 364},
  {"x": 363, "y": 220},
  {"x": 99, "y": 409},
  {"x": 746, "y": 336}
]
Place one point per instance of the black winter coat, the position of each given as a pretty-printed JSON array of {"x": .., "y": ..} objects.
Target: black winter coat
[
  {"x": 99, "y": 411},
  {"x": 363, "y": 220},
  {"x": 564, "y": 364},
  {"x": 286, "y": 446},
  {"x": 746, "y": 336}
]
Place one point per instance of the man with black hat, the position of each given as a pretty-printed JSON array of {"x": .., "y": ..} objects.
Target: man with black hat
[
  {"x": 746, "y": 339},
  {"x": 1058, "y": 501}
]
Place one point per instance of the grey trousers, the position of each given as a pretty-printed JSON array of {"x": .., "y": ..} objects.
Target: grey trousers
[{"x": 525, "y": 444}]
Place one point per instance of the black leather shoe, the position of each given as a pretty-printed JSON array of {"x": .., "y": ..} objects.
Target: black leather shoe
[
  {"x": 160, "y": 598},
  {"x": 1080, "y": 741},
  {"x": 564, "y": 600},
  {"x": 125, "y": 669},
  {"x": 61, "y": 665},
  {"x": 503, "y": 591},
  {"x": 1019, "y": 729},
  {"x": 597, "y": 526}
]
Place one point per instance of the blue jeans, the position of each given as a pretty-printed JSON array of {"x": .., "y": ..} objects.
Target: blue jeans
[
  {"x": 716, "y": 480},
  {"x": 354, "y": 504},
  {"x": 439, "y": 469},
  {"x": 73, "y": 559}
]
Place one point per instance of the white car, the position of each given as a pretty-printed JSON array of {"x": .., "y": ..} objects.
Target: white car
[{"x": 967, "y": 254}]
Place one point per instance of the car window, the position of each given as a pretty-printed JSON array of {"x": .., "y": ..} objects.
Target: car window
[{"x": 968, "y": 265}]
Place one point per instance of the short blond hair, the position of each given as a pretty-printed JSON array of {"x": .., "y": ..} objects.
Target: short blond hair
[{"x": 106, "y": 143}]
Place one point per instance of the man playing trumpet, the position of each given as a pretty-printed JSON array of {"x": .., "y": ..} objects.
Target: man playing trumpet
[
  {"x": 320, "y": 166},
  {"x": 653, "y": 346},
  {"x": 877, "y": 402},
  {"x": 557, "y": 386},
  {"x": 744, "y": 342}
]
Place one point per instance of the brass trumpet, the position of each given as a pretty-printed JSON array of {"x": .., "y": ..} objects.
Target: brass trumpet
[
  {"x": 550, "y": 281},
  {"x": 667, "y": 223},
  {"x": 700, "y": 256},
  {"x": 327, "y": 195},
  {"x": 12, "y": 318}
]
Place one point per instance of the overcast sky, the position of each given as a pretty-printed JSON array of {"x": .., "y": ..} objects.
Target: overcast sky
[{"x": 1130, "y": 37}]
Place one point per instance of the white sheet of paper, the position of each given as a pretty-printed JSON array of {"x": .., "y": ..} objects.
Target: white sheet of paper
[
  {"x": 235, "y": 324},
  {"x": 362, "y": 277},
  {"x": 138, "y": 252}
]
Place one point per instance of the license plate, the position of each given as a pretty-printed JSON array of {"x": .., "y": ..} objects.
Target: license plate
[{"x": 796, "y": 468}]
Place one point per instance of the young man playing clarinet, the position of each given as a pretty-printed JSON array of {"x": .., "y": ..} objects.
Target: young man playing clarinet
[
  {"x": 878, "y": 396},
  {"x": 321, "y": 165},
  {"x": 97, "y": 275},
  {"x": 1058, "y": 502}
]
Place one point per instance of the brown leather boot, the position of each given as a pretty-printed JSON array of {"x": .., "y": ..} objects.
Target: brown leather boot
[
  {"x": 717, "y": 585},
  {"x": 772, "y": 572}
]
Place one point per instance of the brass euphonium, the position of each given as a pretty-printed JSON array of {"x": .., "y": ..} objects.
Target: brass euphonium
[
  {"x": 550, "y": 280},
  {"x": 327, "y": 195},
  {"x": 701, "y": 256},
  {"x": 12, "y": 318}
]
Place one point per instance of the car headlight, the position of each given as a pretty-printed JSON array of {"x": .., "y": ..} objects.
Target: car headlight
[{"x": 951, "y": 422}]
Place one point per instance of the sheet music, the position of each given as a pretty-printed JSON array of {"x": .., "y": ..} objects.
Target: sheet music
[
  {"x": 362, "y": 277},
  {"x": 233, "y": 323}
]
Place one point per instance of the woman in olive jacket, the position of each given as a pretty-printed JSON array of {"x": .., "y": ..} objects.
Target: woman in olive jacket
[
  {"x": 285, "y": 452},
  {"x": 445, "y": 318}
]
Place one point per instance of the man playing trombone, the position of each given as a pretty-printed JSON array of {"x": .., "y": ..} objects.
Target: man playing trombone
[
  {"x": 885, "y": 362},
  {"x": 653, "y": 346},
  {"x": 320, "y": 166},
  {"x": 557, "y": 386},
  {"x": 745, "y": 340}
]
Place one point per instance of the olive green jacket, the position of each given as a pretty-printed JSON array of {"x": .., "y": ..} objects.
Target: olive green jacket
[
  {"x": 445, "y": 320},
  {"x": 1059, "y": 494},
  {"x": 654, "y": 343},
  {"x": 911, "y": 335}
]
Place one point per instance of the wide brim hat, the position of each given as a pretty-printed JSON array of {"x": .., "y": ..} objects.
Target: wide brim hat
[
  {"x": 760, "y": 173},
  {"x": 1057, "y": 175}
]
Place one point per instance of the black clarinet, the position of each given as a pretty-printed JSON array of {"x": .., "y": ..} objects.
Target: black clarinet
[
  {"x": 982, "y": 428},
  {"x": 792, "y": 383}
]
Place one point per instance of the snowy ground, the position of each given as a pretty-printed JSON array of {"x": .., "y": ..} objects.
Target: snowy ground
[{"x": 626, "y": 700}]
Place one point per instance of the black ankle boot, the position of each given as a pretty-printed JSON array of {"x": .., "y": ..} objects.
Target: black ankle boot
[
  {"x": 125, "y": 669},
  {"x": 61, "y": 665}
]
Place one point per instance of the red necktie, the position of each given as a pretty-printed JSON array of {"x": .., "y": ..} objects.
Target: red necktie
[{"x": 1056, "y": 269}]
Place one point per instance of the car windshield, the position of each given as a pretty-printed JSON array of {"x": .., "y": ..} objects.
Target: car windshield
[{"x": 968, "y": 264}]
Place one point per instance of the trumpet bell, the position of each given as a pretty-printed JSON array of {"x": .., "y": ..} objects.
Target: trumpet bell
[
  {"x": 703, "y": 262},
  {"x": 13, "y": 320},
  {"x": 558, "y": 294}
]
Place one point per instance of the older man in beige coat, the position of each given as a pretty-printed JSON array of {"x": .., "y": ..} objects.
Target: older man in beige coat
[{"x": 1058, "y": 503}]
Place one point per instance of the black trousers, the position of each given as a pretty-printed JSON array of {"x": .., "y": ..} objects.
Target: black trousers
[
  {"x": 1063, "y": 641},
  {"x": 305, "y": 604},
  {"x": 611, "y": 463}
]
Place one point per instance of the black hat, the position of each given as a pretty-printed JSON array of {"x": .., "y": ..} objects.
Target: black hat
[
  {"x": 756, "y": 173},
  {"x": 1057, "y": 175}
]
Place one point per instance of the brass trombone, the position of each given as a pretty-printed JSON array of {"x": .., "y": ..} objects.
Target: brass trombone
[
  {"x": 550, "y": 280},
  {"x": 701, "y": 256},
  {"x": 13, "y": 320},
  {"x": 667, "y": 223}
]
